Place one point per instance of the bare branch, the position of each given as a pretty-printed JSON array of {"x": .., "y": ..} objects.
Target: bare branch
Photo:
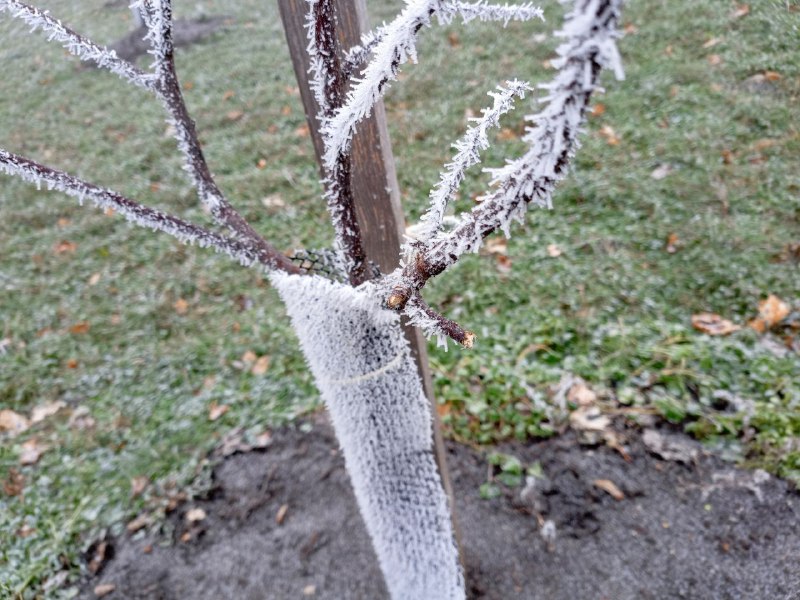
[
  {"x": 76, "y": 44},
  {"x": 328, "y": 85},
  {"x": 469, "y": 147},
  {"x": 188, "y": 233},
  {"x": 590, "y": 31}
]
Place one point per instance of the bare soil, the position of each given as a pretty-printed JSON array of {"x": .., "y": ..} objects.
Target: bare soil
[{"x": 702, "y": 530}]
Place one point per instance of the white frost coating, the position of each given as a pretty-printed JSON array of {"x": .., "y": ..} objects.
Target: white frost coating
[
  {"x": 363, "y": 367},
  {"x": 468, "y": 154},
  {"x": 590, "y": 33},
  {"x": 76, "y": 44},
  {"x": 142, "y": 216}
]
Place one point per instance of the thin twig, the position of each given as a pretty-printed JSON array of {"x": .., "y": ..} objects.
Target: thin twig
[{"x": 434, "y": 324}]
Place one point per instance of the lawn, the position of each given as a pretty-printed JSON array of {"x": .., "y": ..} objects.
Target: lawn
[{"x": 685, "y": 198}]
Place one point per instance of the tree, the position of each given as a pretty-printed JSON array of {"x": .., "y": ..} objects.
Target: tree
[{"x": 345, "y": 312}]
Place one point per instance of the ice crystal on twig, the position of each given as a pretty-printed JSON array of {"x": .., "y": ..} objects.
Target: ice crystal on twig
[
  {"x": 469, "y": 147},
  {"x": 76, "y": 44}
]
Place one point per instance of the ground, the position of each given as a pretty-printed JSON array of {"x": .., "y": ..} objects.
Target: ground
[
  {"x": 684, "y": 199},
  {"x": 699, "y": 530}
]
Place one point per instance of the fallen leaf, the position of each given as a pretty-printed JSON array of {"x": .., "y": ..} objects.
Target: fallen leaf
[
  {"x": 13, "y": 422},
  {"x": 139, "y": 485},
  {"x": 64, "y": 247},
  {"x": 25, "y": 531},
  {"x": 279, "y": 518},
  {"x": 261, "y": 365},
  {"x": 771, "y": 311},
  {"x": 588, "y": 418},
  {"x": 215, "y": 411},
  {"x": 712, "y": 324},
  {"x": 81, "y": 419},
  {"x": 630, "y": 29},
  {"x": 610, "y": 136},
  {"x": 553, "y": 251},
  {"x": 302, "y": 131},
  {"x": 672, "y": 243},
  {"x": 109, "y": 212},
  {"x": 597, "y": 110},
  {"x": 31, "y": 452},
  {"x": 609, "y": 486},
  {"x": 453, "y": 39},
  {"x": 670, "y": 447},
  {"x": 63, "y": 222},
  {"x": 40, "y": 413},
  {"x": 80, "y": 328},
  {"x": 273, "y": 201},
  {"x": 234, "y": 115},
  {"x": 181, "y": 306},
  {"x": 712, "y": 42},
  {"x": 98, "y": 557},
  {"x": 186, "y": 536},
  {"x": 772, "y": 76},
  {"x": 714, "y": 59},
  {"x": 228, "y": 94},
  {"x": 104, "y": 589},
  {"x": 138, "y": 523},
  {"x": 14, "y": 483},
  {"x": 72, "y": 363},
  {"x": 262, "y": 163},
  {"x": 497, "y": 245},
  {"x": 195, "y": 515},
  {"x": 249, "y": 357},
  {"x": 506, "y": 134},
  {"x": 262, "y": 440},
  {"x": 94, "y": 279},
  {"x": 742, "y": 10},
  {"x": 581, "y": 395},
  {"x": 661, "y": 171},
  {"x": 188, "y": 85},
  {"x": 503, "y": 264}
]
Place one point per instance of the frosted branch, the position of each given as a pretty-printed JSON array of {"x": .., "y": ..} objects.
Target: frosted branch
[
  {"x": 157, "y": 15},
  {"x": 328, "y": 85},
  {"x": 589, "y": 46},
  {"x": 433, "y": 324},
  {"x": 468, "y": 152},
  {"x": 188, "y": 233},
  {"x": 357, "y": 55},
  {"x": 76, "y": 44}
]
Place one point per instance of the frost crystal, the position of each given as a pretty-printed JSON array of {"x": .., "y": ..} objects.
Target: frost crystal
[
  {"x": 76, "y": 44},
  {"x": 363, "y": 368}
]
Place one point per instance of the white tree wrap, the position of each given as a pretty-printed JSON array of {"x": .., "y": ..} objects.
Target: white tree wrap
[{"x": 366, "y": 375}]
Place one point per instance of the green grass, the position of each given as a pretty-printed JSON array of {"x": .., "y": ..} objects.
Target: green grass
[{"x": 614, "y": 308}]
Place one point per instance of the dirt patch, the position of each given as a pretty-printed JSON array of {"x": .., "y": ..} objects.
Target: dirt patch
[{"x": 702, "y": 530}]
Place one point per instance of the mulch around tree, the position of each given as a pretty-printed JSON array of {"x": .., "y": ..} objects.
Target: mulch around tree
[{"x": 701, "y": 531}]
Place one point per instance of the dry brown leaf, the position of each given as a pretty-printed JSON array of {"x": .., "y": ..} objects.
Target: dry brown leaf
[
  {"x": 94, "y": 279},
  {"x": 81, "y": 419},
  {"x": 261, "y": 365},
  {"x": 228, "y": 94},
  {"x": 234, "y": 115},
  {"x": 181, "y": 306},
  {"x": 64, "y": 247},
  {"x": 714, "y": 59},
  {"x": 98, "y": 557},
  {"x": 302, "y": 131},
  {"x": 713, "y": 324},
  {"x": 13, "y": 422},
  {"x": 14, "y": 483},
  {"x": 742, "y": 10},
  {"x": 496, "y": 245},
  {"x": 553, "y": 251},
  {"x": 31, "y": 452},
  {"x": 771, "y": 311},
  {"x": 104, "y": 589},
  {"x": 581, "y": 395},
  {"x": 139, "y": 485},
  {"x": 661, "y": 171},
  {"x": 597, "y": 110},
  {"x": 138, "y": 523},
  {"x": 588, "y": 418},
  {"x": 195, "y": 515},
  {"x": 41, "y": 412},
  {"x": 609, "y": 486},
  {"x": 63, "y": 222},
  {"x": 672, "y": 243},
  {"x": 281, "y": 516},
  {"x": 249, "y": 357},
  {"x": 215, "y": 411},
  {"x": 262, "y": 163},
  {"x": 80, "y": 328},
  {"x": 503, "y": 264},
  {"x": 506, "y": 134},
  {"x": 772, "y": 76},
  {"x": 453, "y": 39},
  {"x": 610, "y": 136},
  {"x": 72, "y": 363},
  {"x": 712, "y": 42}
]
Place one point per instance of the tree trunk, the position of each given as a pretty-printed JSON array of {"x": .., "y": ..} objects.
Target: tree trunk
[{"x": 364, "y": 369}]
